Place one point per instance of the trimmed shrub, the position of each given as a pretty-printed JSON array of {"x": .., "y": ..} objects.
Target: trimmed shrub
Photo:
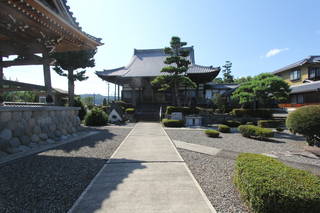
[
  {"x": 96, "y": 117},
  {"x": 82, "y": 112},
  {"x": 306, "y": 121},
  {"x": 269, "y": 185},
  {"x": 232, "y": 123},
  {"x": 224, "y": 128},
  {"x": 251, "y": 131},
  {"x": 250, "y": 123},
  {"x": 172, "y": 123},
  {"x": 130, "y": 111},
  {"x": 260, "y": 113},
  {"x": 184, "y": 110},
  {"x": 212, "y": 133},
  {"x": 269, "y": 123}
]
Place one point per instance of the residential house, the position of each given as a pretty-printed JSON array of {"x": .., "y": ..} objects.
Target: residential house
[{"x": 304, "y": 79}]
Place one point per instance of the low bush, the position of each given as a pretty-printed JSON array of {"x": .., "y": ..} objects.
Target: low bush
[
  {"x": 250, "y": 123},
  {"x": 184, "y": 110},
  {"x": 260, "y": 113},
  {"x": 224, "y": 128},
  {"x": 269, "y": 185},
  {"x": 232, "y": 123},
  {"x": 269, "y": 123},
  {"x": 96, "y": 117},
  {"x": 306, "y": 121},
  {"x": 279, "y": 129},
  {"x": 172, "y": 123},
  {"x": 251, "y": 131},
  {"x": 130, "y": 111},
  {"x": 212, "y": 133}
]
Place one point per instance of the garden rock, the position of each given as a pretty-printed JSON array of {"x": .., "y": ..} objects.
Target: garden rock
[{"x": 36, "y": 130}]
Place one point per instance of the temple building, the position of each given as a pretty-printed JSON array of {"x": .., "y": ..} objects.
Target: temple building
[
  {"x": 31, "y": 30},
  {"x": 144, "y": 66}
]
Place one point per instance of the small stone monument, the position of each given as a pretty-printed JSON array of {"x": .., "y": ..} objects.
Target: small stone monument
[{"x": 115, "y": 114}]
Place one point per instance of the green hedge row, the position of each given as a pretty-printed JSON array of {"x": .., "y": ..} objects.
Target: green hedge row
[
  {"x": 212, "y": 133},
  {"x": 184, "y": 110},
  {"x": 224, "y": 128},
  {"x": 172, "y": 123},
  {"x": 260, "y": 113},
  {"x": 270, "y": 186},
  {"x": 269, "y": 123},
  {"x": 251, "y": 131}
]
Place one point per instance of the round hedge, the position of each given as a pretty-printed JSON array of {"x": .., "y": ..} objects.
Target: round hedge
[
  {"x": 212, "y": 133},
  {"x": 224, "y": 128},
  {"x": 96, "y": 117},
  {"x": 306, "y": 121}
]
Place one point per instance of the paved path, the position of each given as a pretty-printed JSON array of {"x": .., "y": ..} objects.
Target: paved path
[{"x": 145, "y": 175}]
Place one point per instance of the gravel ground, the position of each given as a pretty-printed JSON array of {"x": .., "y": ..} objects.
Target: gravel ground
[
  {"x": 52, "y": 181},
  {"x": 235, "y": 142},
  {"x": 214, "y": 174}
]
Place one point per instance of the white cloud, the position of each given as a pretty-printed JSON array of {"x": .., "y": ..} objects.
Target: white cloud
[{"x": 275, "y": 51}]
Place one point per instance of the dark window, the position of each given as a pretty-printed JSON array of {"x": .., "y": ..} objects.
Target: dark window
[
  {"x": 314, "y": 73},
  {"x": 295, "y": 75}
]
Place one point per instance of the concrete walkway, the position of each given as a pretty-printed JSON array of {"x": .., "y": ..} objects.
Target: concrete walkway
[{"x": 146, "y": 174}]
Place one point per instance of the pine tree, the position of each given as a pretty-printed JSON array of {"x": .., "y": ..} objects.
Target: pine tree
[
  {"x": 68, "y": 62},
  {"x": 176, "y": 71},
  {"x": 227, "y": 77}
]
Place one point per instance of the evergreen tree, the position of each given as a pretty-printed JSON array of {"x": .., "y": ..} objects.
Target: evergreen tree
[
  {"x": 176, "y": 71},
  {"x": 104, "y": 102},
  {"x": 227, "y": 77},
  {"x": 68, "y": 62}
]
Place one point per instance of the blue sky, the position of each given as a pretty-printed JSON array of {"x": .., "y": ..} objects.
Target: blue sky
[{"x": 256, "y": 36}]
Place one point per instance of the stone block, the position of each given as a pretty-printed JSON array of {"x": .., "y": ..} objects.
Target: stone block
[
  {"x": 12, "y": 124},
  {"x": 16, "y": 116},
  {"x": 13, "y": 150},
  {"x": 3, "y": 154},
  {"x": 24, "y": 148},
  {"x": 4, "y": 144},
  {"x": 5, "y": 134},
  {"x": 25, "y": 140},
  {"x": 35, "y": 138},
  {"x": 18, "y": 131},
  {"x": 5, "y": 116},
  {"x": 14, "y": 142},
  {"x": 36, "y": 130},
  {"x": 32, "y": 122},
  {"x": 43, "y": 136},
  {"x": 27, "y": 115},
  {"x": 50, "y": 141}
]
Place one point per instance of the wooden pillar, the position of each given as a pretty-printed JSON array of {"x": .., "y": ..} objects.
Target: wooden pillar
[
  {"x": 1, "y": 77},
  {"x": 46, "y": 72},
  {"x": 115, "y": 92},
  {"x": 108, "y": 92},
  {"x": 118, "y": 92}
]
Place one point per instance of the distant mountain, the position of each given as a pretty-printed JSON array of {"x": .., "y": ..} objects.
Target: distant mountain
[{"x": 98, "y": 99}]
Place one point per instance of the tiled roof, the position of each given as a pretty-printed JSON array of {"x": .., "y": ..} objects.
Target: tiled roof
[
  {"x": 149, "y": 62},
  {"x": 310, "y": 59},
  {"x": 307, "y": 87}
]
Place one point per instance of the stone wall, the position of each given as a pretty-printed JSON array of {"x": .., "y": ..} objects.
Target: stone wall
[{"x": 24, "y": 126}]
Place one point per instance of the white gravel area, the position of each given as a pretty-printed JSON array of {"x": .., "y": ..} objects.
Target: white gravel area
[
  {"x": 52, "y": 181},
  {"x": 214, "y": 174},
  {"x": 280, "y": 145}
]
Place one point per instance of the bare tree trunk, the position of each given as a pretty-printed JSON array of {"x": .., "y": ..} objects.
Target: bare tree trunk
[
  {"x": 176, "y": 93},
  {"x": 71, "y": 87}
]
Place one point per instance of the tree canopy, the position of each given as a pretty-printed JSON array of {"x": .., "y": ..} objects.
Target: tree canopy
[
  {"x": 176, "y": 71},
  {"x": 264, "y": 88}
]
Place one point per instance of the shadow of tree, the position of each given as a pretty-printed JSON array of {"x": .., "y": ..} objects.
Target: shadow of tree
[
  {"x": 53, "y": 183},
  {"x": 284, "y": 135}
]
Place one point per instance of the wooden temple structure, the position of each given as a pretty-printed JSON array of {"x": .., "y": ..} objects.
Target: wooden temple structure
[
  {"x": 144, "y": 66},
  {"x": 32, "y": 29}
]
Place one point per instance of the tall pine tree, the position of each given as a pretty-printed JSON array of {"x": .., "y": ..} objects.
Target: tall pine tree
[
  {"x": 175, "y": 71},
  {"x": 68, "y": 62}
]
